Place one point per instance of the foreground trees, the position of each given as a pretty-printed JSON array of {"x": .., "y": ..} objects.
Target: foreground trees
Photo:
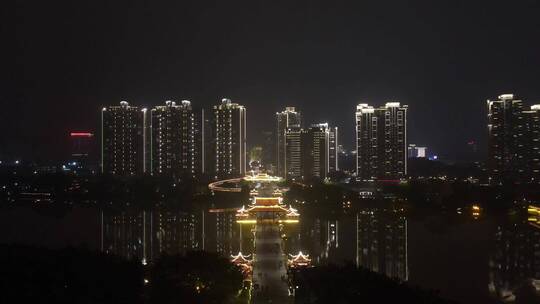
[
  {"x": 349, "y": 284},
  {"x": 38, "y": 275},
  {"x": 198, "y": 277}
]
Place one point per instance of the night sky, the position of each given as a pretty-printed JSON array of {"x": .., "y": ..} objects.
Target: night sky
[{"x": 442, "y": 58}]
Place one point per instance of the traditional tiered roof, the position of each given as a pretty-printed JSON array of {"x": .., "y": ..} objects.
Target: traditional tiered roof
[
  {"x": 299, "y": 260},
  {"x": 266, "y": 204},
  {"x": 241, "y": 259},
  {"x": 244, "y": 263}
]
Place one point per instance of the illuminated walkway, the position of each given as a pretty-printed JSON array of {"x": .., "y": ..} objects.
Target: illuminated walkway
[
  {"x": 266, "y": 216},
  {"x": 269, "y": 264}
]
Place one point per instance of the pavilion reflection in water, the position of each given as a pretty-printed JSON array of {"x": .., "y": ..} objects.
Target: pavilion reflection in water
[{"x": 375, "y": 239}]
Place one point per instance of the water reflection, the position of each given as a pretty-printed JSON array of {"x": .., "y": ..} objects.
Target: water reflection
[
  {"x": 224, "y": 235},
  {"x": 515, "y": 261},
  {"x": 382, "y": 242},
  {"x": 499, "y": 255},
  {"x": 373, "y": 238},
  {"x": 143, "y": 235}
]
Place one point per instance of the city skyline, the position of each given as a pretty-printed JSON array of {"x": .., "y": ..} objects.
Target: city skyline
[
  {"x": 262, "y": 152},
  {"x": 313, "y": 58}
]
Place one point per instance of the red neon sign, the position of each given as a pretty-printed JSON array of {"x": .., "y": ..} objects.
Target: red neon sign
[{"x": 81, "y": 134}]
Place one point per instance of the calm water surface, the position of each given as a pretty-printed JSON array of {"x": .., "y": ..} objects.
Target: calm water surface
[{"x": 467, "y": 260}]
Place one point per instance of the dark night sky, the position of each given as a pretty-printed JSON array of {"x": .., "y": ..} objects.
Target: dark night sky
[{"x": 442, "y": 58}]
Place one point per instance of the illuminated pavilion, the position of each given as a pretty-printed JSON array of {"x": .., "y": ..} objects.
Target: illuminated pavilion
[{"x": 299, "y": 260}]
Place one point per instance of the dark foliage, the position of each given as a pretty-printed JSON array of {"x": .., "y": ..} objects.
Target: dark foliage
[
  {"x": 36, "y": 275},
  {"x": 198, "y": 277},
  {"x": 348, "y": 284}
]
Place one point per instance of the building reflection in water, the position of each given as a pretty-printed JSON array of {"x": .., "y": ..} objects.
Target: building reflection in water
[
  {"x": 373, "y": 238},
  {"x": 515, "y": 261},
  {"x": 381, "y": 243},
  {"x": 143, "y": 235},
  {"x": 224, "y": 235}
]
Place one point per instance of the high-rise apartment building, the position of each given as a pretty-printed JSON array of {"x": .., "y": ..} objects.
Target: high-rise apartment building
[
  {"x": 292, "y": 159},
  {"x": 414, "y": 151},
  {"x": 529, "y": 146},
  {"x": 204, "y": 142},
  {"x": 230, "y": 136},
  {"x": 311, "y": 152},
  {"x": 173, "y": 140},
  {"x": 315, "y": 151},
  {"x": 289, "y": 119},
  {"x": 82, "y": 147},
  {"x": 505, "y": 118},
  {"x": 381, "y": 141},
  {"x": 268, "y": 160},
  {"x": 123, "y": 145},
  {"x": 333, "y": 151},
  {"x": 513, "y": 140}
]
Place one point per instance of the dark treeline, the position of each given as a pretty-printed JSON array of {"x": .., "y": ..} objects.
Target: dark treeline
[
  {"x": 328, "y": 200},
  {"x": 37, "y": 275},
  {"x": 115, "y": 192},
  {"x": 349, "y": 284},
  {"x": 31, "y": 274},
  {"x": 417, "y": 194}
]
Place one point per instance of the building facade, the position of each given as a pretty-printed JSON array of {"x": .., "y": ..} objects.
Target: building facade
[
  {"x": 504, "y": 120},
  {"x": 123, "y": 140},
  {"x": 315, "y": 153},
  {"x": 513, "y": 140},
  {"x": 414, "y": 151},
  {"x": 292, "y": 160},
  {"x": 529, "y": 146},
  {"x": 381, "y": 141},
  {"x": 82, "y": 148},
  {"x": 289, "y": 119},
  {"x": 173, "y": 140},
  {"x": 333, "y": 150},
  {"x": 230, "y": 139},
  {"x": 311, "y": 152}
]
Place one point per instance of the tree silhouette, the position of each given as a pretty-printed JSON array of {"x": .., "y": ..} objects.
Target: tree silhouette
[{"x": 198, "y": 277}]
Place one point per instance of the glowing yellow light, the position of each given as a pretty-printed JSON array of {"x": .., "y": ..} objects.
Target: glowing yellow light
[
  {"x": 289, "y": 221},
  {"x": 246, "y": 221}
]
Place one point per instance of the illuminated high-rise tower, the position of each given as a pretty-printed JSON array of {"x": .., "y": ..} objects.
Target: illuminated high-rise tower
[
  {"x": 513, "y": 140},
  {"x": 230, "y": 136},
  {"x": 505, "y": 120},
  {"x": 529, "y": 146},
  {"x": 315, "y": 151},
  {"x": 123, "y": 145},
  {"x": 293, "y": 156},
  {"x": 173, "y": 142},
  {"x": 291, "y": 120},
  {"x": 381, "y": 141},
  {"x": 333, "y": 160},
  {"x": 311, "y": 152}
]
